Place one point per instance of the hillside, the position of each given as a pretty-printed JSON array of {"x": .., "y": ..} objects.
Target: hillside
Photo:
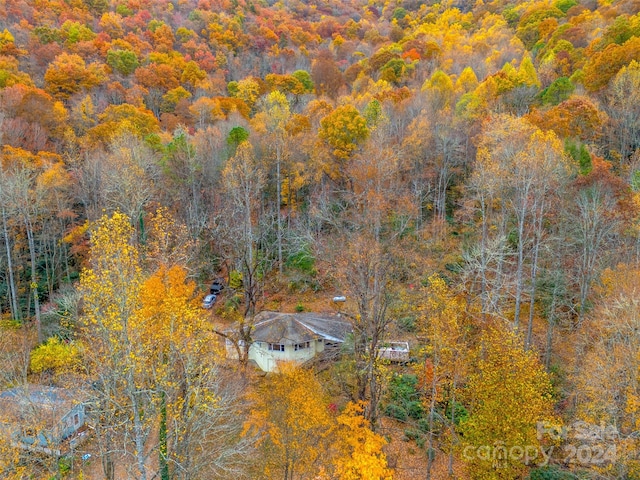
[{"x": 466, "y": 175}]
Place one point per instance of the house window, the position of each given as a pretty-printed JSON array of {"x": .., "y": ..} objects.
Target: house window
[
  {"x": 276, "y": 347},
  {"x": 302, "y": 346}
]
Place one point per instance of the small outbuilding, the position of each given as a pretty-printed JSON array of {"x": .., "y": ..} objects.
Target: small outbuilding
[{"x": 395, "y": 352}]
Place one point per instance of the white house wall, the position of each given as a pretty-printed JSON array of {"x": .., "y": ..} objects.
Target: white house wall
[{"x": 267, "y": 359}]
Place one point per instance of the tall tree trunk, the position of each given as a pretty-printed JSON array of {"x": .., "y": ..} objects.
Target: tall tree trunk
[
  {"x": 483, "y": 259},
  {"x": 374, "y": 386},
  {"x": 519, "y": 270},
  {"x": 106, "y": 456},
  {"x": 15, "y": 311},
  {"x": 34, "y": 279},
  {"x": 136, "y": 410},
  {"x": 500, "y": 267},
  {"x": 551, "y": 325},
  {"x": 49, "y": 265},
  {"x": 432, "y": 411},
  {"x": 162, "y": 438},
  {"x": 534, "y": 268},
  {"x": 138, "y": 430},
  {"x": 441, "y": 192},
  {"x": 278, "y": 200},
  {"x": 453, "y": 424}
]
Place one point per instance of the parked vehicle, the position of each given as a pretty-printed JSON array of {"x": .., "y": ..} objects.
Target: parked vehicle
[
  {"x": 216, "y": 287},
  {"x": 209, "y": 300}
]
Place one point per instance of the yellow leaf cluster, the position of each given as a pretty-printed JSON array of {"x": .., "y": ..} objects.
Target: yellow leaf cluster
[
  {"x": 55, "y": 355},
  {"x": 344, "y": 130},
  {"x": 362, "y": 457},
  {"x": 292, "y": 418},
  {"x": 508, "y": 394}
]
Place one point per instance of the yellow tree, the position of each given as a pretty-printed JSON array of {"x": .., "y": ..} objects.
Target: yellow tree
[
  {"x": 155, "y": 364},
  {"x": 440, "y": 90},
  {"x": 68, "y": 74},
  {"x": 608, "y": 374},
  {"x": 343, "y": 130},
  {"x": 198, "y": 430},
  {"x": 11, "y": 74},
  {"x": 361, "y": 456},
  {"x": 445, "y": 324},
  {"x": 292, "y": 420},
  {"x": 467, "y": 81},
  {"x": 247, "y": 89},
  {"x": 55, "y": 356},
  {"x": 508, "y": 394},
  {"x": 169, "y": 317},
  {"x": 111, "y": 294},
  {"x": 119, "y": 121},
  {"x": 527, "y": 74}
]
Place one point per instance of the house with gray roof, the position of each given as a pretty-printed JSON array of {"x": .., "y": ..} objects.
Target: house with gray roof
[
  {"x": 292, "y": 337},
  {"x": 41, "y": 418}
]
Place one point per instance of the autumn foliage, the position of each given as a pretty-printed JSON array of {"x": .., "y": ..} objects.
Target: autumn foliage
[{"x": 466, "y": 175}]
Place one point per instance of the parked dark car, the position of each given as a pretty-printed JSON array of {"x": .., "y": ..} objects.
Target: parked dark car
[{"x": 216, "y": 287}]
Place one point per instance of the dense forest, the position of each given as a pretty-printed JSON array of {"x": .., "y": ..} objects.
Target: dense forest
[{"x": 466, "y": 176}]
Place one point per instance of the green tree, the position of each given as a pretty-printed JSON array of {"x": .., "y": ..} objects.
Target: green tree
[
  {"x": 559, "y": 91},
  {"x": 305, "y": 79},
  {"x": 236, "y": 136},
  {"x": 123, "y": 61}
]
